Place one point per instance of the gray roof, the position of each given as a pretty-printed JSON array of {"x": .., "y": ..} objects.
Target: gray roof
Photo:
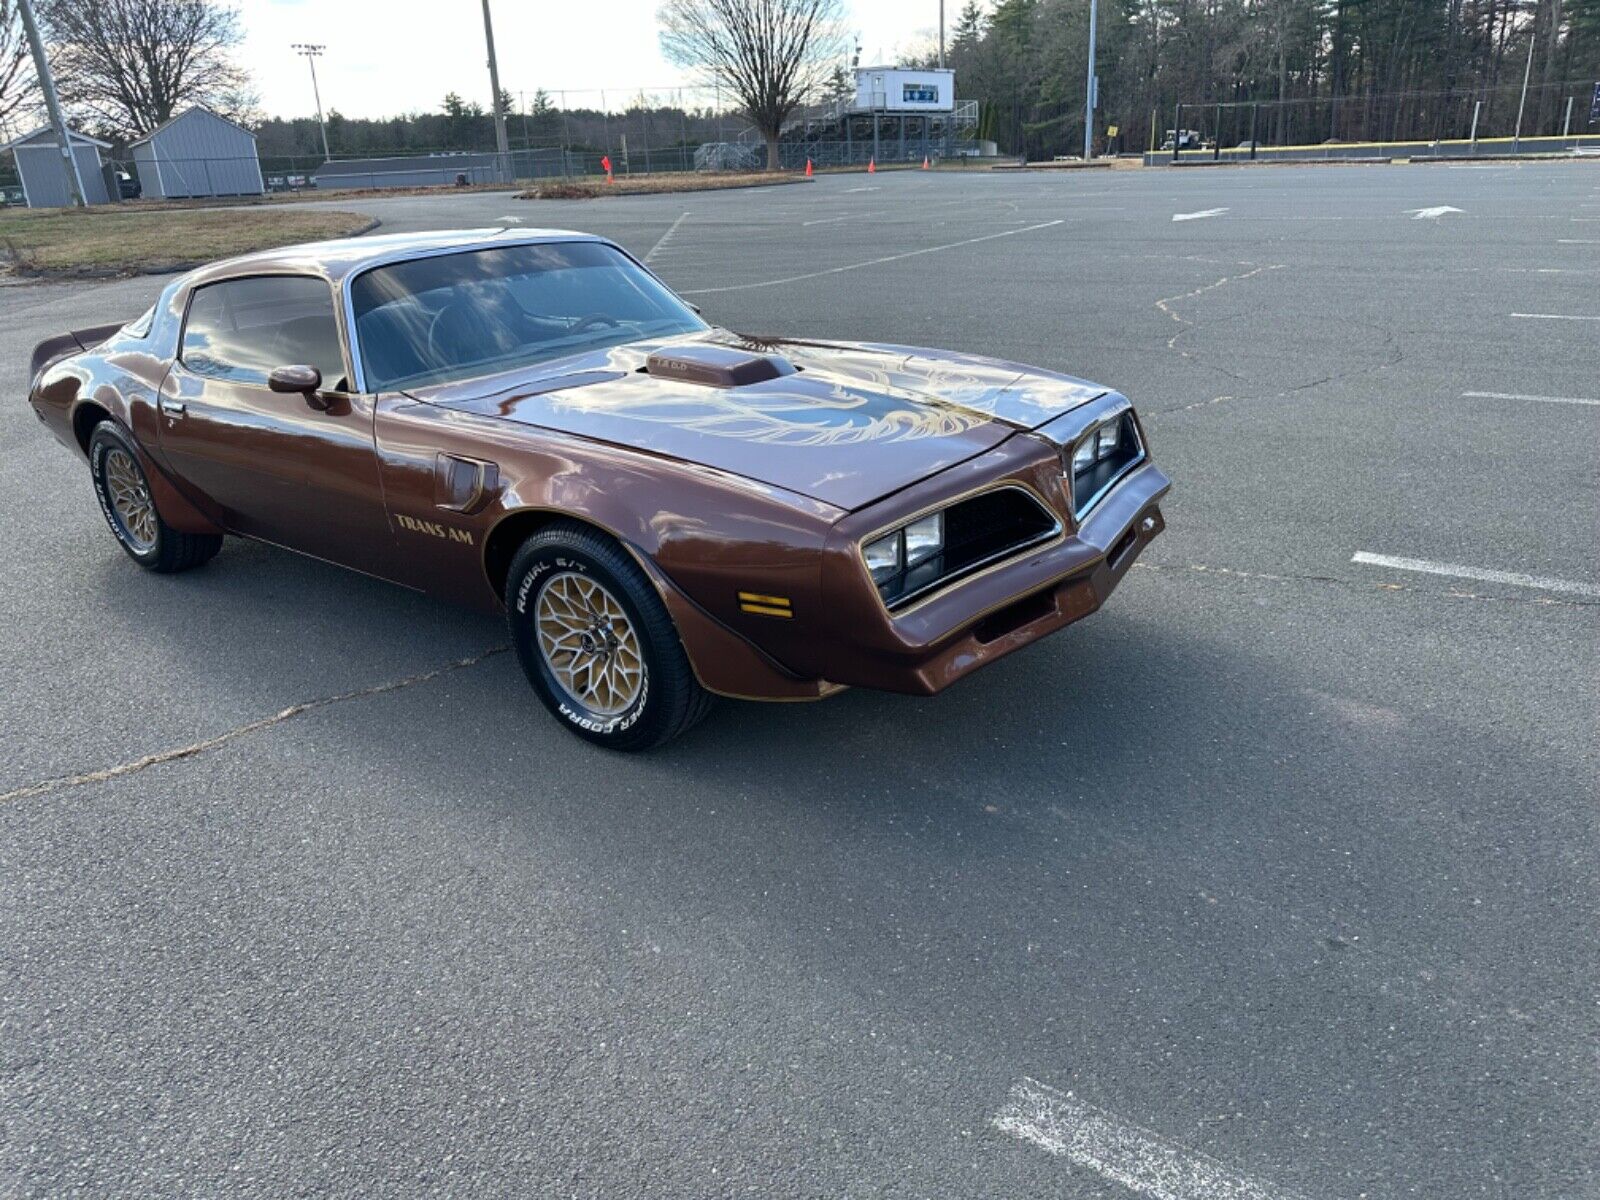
[
  {"x": 72, "y": 135},
  {"x": 176, "y": 117}
]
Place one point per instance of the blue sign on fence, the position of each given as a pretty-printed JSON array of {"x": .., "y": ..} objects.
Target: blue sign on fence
[{"x": 1594, "y": 105}]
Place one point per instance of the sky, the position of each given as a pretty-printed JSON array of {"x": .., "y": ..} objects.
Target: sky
[{"x": 386, "y": 58}]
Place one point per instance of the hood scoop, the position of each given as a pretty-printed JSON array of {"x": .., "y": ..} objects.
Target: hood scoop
[{"x": 717, "y": 366}]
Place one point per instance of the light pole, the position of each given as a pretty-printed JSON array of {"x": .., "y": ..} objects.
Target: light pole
[
  {"x": 311, "y": 50},
  {"x": 502, "y": 148},
  {"x": 941, "y": 35},
  {"x": 1533, "y": 29},
  {"x": 1090, "y": 97},
  {"x": 52, "y": 103}
]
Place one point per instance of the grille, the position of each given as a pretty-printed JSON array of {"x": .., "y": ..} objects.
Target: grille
[{"x": 979, "y": 530}]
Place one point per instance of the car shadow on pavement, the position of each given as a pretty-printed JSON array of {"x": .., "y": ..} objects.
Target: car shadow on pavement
[{"x": 1133, "y": 852}]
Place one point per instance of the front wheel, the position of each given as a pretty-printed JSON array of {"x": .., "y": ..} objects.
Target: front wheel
[
  {"x": 596, "y": 642},
  {"x": 124, "y": 494}
]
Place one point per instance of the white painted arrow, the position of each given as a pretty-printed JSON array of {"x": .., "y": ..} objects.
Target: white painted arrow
[
  {"x": 1195, "y": 216},
  {"x": 1431, "y": 214}
]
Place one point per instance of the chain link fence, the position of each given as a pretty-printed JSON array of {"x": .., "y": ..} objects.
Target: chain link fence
[{"x": 1485, "y": 122}]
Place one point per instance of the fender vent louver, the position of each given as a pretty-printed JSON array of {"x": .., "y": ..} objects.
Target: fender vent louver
[{"x": 717, "y": 366}]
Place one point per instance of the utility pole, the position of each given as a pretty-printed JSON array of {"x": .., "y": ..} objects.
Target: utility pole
[
  {"x": 1516, "y": 141},
  {"x": 941, "y": 35},
  {"x": 1092, "y": 97},
  {"x": 502, "y": 148},
  {"x": 52, "y": 103},
  {"x": 310, "y": 50}
]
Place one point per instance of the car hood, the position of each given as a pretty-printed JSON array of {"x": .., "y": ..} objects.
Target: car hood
[{"x": 853, "y": 422}]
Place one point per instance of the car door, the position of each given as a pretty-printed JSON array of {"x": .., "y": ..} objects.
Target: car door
[{"x": 297, "y": 470}]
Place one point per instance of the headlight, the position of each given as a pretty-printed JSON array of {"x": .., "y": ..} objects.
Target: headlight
[
  {"x": 884, "y": 557},
  {"x": 1101, "y": 457},
  {"x": 924, "y": 538},
  {"x": 967, "y": 535}
]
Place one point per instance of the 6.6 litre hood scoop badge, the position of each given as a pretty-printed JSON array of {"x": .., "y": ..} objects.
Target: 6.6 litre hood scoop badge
[{"x": 717, "y": 366}]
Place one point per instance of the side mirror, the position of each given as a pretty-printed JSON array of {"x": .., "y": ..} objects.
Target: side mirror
[{"x": 298, "y": 380}]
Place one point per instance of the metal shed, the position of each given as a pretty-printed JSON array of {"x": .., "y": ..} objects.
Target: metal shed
[
  {"x": 43, "y": 168},
  {"x": 198, "y": 153}
]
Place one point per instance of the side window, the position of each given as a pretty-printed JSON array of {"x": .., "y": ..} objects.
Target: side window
[{"x": 242, "y": 329}]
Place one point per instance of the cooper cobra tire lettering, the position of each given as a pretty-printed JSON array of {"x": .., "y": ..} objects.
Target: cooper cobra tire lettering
[{"x": 610, "y": 590}]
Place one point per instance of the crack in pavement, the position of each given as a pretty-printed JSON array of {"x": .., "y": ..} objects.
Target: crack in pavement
[
  {"x": 63, "y": 782},
  {"x": 1165, "y": 302},
  {"x": 1360, "y": 585},
  {"x": 1385, "y": 336}
]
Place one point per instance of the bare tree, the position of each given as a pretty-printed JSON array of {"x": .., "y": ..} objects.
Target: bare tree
[
  {"x": 17, "y": 82},
  {"x": 771, "y": 54},
  {"x": 129, "y": 64}
]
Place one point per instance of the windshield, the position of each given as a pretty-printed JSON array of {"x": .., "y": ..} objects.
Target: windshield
[{"x": 455, "y": 316}]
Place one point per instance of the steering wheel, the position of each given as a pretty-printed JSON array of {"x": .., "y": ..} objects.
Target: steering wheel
[
  {"x": 593, "y": 319},
  {"x": 454, "y": 318}
]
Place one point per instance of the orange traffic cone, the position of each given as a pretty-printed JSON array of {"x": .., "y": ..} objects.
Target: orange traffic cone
[
  {"x": 872, "y": 166},
  {"x": 925, "y": 162},
  {"x": 808, "y": 168}
]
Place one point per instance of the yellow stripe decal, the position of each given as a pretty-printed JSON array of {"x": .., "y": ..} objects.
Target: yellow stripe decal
[
  {"x": 758, "y": 598},
  {"x": 765, "y": 611}
]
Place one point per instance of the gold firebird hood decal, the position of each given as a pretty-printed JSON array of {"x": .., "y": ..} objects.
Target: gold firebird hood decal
[
  {"x": 849, "y": 424},
  {"x": 844, "y": 396}
]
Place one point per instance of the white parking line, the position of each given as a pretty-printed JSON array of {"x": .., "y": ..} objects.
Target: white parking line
[
  {"x": 1199, "y": 216},
  {"x": 1482, "y": 574},
  {"x": 1578, "y": 241},
  {"x": 665, "y": 238},
  {"x": 1523, "y": 396},
  {"x": 1146, "y": 1162},
  {"x": 871, "y": 262},
  {"x": 1552, "y": 317},
  {"x": 845, "y": 217}
]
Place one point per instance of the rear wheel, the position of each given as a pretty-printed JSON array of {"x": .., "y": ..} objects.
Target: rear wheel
[
  {"x": 596, "y": 642},
  {"x": 130, "y": 510}
]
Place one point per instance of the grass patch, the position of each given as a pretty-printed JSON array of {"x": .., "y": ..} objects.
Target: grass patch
[
  {"x": 106, "y": 241},
  {"x": 587, "y": 187}
]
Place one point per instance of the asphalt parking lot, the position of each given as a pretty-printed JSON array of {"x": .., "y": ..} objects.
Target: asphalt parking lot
[{"x": 1280, "y": 876}]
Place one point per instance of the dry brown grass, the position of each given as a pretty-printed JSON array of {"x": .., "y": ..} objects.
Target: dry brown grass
[
  {"x": 587, "y": 187},
  {"x": 104, "y": 240}
]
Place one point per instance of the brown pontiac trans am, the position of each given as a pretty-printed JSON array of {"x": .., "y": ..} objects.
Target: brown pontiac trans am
[{"x": 532, "y": 421}]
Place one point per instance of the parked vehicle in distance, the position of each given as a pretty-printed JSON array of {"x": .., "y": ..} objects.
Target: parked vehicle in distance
[
  {"x": 12, "y": 194},
  {"x": 128, "y": 188},
  {"x": 532, "y": 422}
]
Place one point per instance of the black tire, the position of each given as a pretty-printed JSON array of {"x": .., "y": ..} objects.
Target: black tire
[
  {"x": 669, "y": 698},
  {"x": 150, "y": 541}
]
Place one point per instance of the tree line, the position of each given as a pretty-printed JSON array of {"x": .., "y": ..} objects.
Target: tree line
[
  {"x": 466, "y": 125},
  {"x": 1347, "y": 70},
  {"x": 1344, "y": 70}
]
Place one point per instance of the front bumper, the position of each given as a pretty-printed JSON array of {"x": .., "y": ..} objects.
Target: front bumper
[{"x": 926, "y": 648}]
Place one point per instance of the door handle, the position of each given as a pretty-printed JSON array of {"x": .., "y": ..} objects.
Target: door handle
[{"x": 172, "y": 409}]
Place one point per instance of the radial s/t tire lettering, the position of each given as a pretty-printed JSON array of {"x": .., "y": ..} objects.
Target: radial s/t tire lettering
[
  {"x": 597, "y": 643},
  {"x": 130, "y": 510}
]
